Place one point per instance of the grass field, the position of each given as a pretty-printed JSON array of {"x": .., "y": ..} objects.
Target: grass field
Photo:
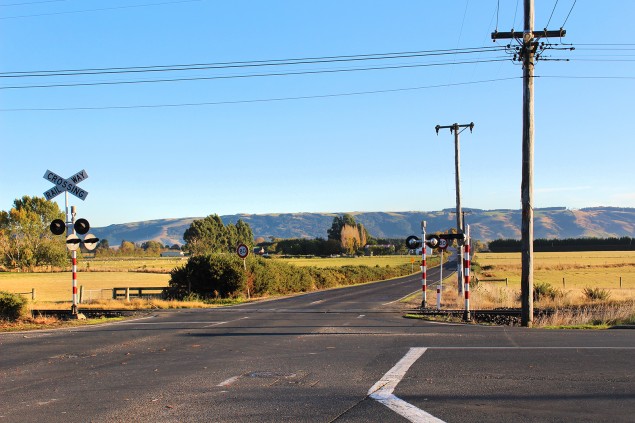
[
  {"x": 52, "y": 287},
  {"x": 152, "y": 265},
  {"x": 580, "y": 270},
  {"x": 597, "y": 269},
  {"x": 99, "y": 276},
  {"x": 355, "y": 261}
]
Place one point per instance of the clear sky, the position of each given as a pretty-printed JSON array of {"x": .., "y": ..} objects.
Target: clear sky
[{"x": 323, "y": 136}]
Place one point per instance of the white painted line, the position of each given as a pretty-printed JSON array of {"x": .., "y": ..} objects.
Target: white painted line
[
  {"x": 383, "y": 389},
  {"x": 402, "y": 298},
  {"x": 229, "y": 381},
  {"x": 222, "y": 323}
]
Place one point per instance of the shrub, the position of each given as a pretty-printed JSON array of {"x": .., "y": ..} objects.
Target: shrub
[
  {"x": 596, "y": 294},
  {"x": 12, "y": 306},
  {"x": 543, "y": 290},
  {"x": 208, "y": 276}
]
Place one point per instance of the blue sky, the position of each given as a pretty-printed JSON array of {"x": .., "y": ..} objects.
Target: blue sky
[{"x": 321, "y": 141}]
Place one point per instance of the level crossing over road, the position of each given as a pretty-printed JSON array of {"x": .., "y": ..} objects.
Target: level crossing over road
[{"x": 342, "y": 355}]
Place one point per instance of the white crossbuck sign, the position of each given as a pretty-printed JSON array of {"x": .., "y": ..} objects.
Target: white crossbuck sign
[{"x": 68, "y": 184}]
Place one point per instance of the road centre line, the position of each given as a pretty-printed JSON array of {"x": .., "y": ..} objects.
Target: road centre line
[
  {"x": 404, "y": 297},
  {"x": 229, "y": 381},
  {"x": 208, "y": 323},
  {"x": 383, "y": 389},
  {"x": 175, "y": 323}
]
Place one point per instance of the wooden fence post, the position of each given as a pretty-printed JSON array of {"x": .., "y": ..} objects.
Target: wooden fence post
[{"x": 33, "y": 291}]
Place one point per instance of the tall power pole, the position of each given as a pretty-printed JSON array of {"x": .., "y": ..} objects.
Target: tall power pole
[
  {"x": 529, "y": 45},
  {"x": 457, "y": 172}
]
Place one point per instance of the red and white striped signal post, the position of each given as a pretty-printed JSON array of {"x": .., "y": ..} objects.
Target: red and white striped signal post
[
  {"x": 424, "y": 280},
  {"x": 466, "y": 274},
  {"x": 66, "y": 185}
]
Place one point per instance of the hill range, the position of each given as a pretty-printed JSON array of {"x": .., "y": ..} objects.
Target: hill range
[{"x": 485, "y": 225}]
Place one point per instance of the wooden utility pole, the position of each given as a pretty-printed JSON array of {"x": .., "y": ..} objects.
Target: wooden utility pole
[
  {"x": 459, "y": 215},
  {"x": 527, "y": 52}
]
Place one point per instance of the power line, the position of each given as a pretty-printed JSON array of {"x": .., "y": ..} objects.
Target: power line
[
  {"x": 584, "y": 77},
  {"x": 498, "y": 4},
  {"x": 568, "y": 14},
  {"x": 215, "y": 103},
  {"x": 203, "y": 78},
  {"x": 31, "y": 2},
  {"x": 554, "y": 9},
  {"x": 99, "y": 10},
  {"x": 605, "y": 44},
  {"x": 600, "y": 60},
  {"x": 243, "y": 64}
]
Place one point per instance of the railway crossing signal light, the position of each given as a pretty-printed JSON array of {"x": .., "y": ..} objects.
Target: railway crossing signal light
[
  {"x": 413, "y": 242},
  {"x": 58, "y": 227},
  {"x": 82, "y": 226}
]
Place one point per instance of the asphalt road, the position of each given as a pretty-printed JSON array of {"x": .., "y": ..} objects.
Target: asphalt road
[{"x": 315, "y": 358}]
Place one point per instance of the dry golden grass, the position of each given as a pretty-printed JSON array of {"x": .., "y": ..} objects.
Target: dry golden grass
[
  {"x": 132, "y": 264},
  {"x": 133, "y": 304},
  {"x": 601, "y": 269},
  {"x": 51, "y": 287},
  {"x": 381, "y": 261},
  {"x": 605, "y": 314}
]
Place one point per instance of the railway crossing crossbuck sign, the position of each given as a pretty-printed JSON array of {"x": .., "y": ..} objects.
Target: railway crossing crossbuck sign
[{"x": 65, "y": 184}]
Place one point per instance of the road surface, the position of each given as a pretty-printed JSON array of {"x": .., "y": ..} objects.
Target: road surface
[{"x": 344, "y": 355}]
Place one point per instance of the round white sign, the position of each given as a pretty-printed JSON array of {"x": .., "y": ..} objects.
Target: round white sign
[{"x": 242, "y": 251}]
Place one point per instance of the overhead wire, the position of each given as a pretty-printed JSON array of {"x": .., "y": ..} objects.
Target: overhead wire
[
  {"x": 214, "y": 103},
  {"x": 568, "y": 14},
  {"x": 585, "y": 77},
  {"x": 99, "y": 9},
  {"x": 216, "y": 77},
  {"x": 31, "y": 2},
  {"x": 551, "y": 16},
  {"x": 498, "y": 4},
  {"x": 251, "y": 63}
]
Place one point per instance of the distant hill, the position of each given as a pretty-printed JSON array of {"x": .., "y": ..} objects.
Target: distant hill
[{"x": 485, "y": 225}]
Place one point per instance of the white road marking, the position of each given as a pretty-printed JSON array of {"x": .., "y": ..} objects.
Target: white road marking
[
  {"x": 229, "y": 381},
  {"x": 222, "y": 323},
  {"x": 383, "y": 389},
  {"x": 399, "y": 299}
]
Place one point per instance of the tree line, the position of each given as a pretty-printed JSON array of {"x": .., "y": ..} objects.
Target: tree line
[
  {"x": 569, "y": 244},
  {"x": 26, "y": 242}
]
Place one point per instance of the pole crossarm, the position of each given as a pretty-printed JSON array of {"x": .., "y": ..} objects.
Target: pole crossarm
[
  {"x": 545, "y": 33},
  {"x": 529, "y": 52},
  {"x": 454, "y": 127}
]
